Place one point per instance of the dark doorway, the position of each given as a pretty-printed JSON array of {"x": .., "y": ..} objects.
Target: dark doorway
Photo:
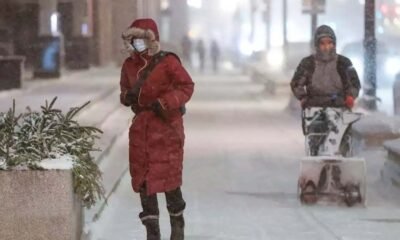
[
  {"x": 65, "y": 10},
  {"x": 25, "y": 30}
]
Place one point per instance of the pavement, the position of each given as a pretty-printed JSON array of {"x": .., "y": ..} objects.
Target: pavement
[{"x": 242, "y": 157}]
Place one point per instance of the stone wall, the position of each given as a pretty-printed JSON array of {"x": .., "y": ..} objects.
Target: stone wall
[{"x": 39, "y": 205}]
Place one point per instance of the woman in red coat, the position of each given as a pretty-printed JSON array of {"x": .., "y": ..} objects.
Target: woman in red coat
[{"x": 156, "y": 136}]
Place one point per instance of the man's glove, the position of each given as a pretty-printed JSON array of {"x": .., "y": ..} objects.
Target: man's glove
[
  {"x": 303, "y": 103},
  {"x": 349, "y": 102},
  {"x": 159, "y": 110}
]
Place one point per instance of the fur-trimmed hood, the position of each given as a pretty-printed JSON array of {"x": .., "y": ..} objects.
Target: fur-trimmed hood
[{"x": 146, "y": 29}]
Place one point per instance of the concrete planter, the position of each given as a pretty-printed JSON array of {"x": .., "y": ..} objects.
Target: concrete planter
[
  {"x": 372, "y": 131},
  {"x": 391, "y": 170},
  {"x": 39, "y": 205}
]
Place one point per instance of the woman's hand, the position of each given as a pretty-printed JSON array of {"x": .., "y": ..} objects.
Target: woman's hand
[
  {"x": 159, "y": 110},
  {"x": 129, "y": 98}
]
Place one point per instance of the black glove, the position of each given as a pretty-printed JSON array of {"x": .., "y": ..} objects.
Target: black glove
[
  {"x": 303, "y": 103},
  {"x": 159, "y": 110},
  {"x": 130, "y": 98},
  {"x": 182, "y": 109}
]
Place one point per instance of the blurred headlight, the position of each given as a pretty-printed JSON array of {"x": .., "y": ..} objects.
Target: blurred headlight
[
  {"x": 246, "y": 48},
  {"x": 392, "y": 66},
  {"x": 275, "y": 58}
]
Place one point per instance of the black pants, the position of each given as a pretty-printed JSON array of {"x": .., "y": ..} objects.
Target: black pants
[{"x": 175, "y": 204}]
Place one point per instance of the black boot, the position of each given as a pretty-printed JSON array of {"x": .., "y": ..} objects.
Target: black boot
[
  {"x": 153, "y": 229},
  {"x": 177, "y": 227},
  {"x": 150, "y": 214}
]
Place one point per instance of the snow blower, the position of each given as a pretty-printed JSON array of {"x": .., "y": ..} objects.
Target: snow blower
[{"x": 329, "y": 173}]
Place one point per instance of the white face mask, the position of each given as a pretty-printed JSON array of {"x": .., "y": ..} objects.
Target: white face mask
[{"x": 139, "y": 45}]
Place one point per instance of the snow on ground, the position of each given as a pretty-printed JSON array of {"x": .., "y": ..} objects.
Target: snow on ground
[
  {"x": 386, "y": 104},
  {"x": 64, "y": 162},
  {"x": 241, "y": 167},
  {"x": 73, "y": 89}
]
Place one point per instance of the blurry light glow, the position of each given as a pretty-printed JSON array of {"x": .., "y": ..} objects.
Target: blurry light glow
[
  {"x": 392, "y": 66},
  {"x": 397, "y": 22},
  {"x": 276, "y": 58},
  {"x": 246, "y": 48},
  {"x": 398, "y": 10},
  {"x": 228, "y": 65},
  {"x": 164, "y": 4},
  {"x": 358, "y": 65},
  {"x": 54, "y": 23},
  {"x": 276, "y": 38},
  {"x": 228, "y": 5},
  {"x": 384, "y": 8},
  {"x": 386, "y": 22},
  {"x": 85, "y": 29},
  {"x": 195, "y": 3},
  {"x": 362, "y": 2},
  {"x": 397, "y": 1},
  {"x": 381, "y": 30},
  {"x": 193, "y": 33}
]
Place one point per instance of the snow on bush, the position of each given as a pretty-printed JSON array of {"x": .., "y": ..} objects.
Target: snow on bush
[{"x": 51, "y": 139}]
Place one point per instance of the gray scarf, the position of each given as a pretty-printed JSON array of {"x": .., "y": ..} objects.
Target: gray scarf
[{"x": 326, "y": 56}]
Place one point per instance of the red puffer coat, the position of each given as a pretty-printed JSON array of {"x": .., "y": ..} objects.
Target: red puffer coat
[{"x": 155, "y": 145}]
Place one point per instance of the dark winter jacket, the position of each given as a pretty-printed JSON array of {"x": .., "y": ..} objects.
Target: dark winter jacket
[{"x": 325, "y": 83}]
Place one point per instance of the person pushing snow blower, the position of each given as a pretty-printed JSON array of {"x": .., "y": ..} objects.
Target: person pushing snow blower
[
  {"x": 326, "y": 79},
  {"x": 327, "y": 84}
]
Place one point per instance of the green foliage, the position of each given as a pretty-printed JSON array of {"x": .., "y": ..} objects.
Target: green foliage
[{"x": 32, "y": 137}]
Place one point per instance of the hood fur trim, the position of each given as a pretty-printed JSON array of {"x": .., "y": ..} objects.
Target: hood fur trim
[{"x": 146, "y": 34}]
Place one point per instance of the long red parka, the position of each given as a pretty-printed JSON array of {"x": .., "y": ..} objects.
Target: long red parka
[{"x": 155, "y": 145}]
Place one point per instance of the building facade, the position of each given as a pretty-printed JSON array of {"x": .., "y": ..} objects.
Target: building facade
[{"x": 97, "y": 24}]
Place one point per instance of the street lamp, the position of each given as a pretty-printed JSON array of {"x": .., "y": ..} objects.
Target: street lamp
[
  {"x": 268, "y": 22},
  {"x": 370, "y": 56}
]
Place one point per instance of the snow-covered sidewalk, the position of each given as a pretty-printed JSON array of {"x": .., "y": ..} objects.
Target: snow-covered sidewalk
[
  {"x": 72, "y": 89},
  {"x": 241, "y": 168}
]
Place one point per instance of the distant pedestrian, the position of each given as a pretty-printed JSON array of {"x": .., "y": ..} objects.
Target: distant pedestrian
[
  {"x": 201, "y": 51},
  {"x": 186, "y": 45},
  {"x": 215, "y": 52}
]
